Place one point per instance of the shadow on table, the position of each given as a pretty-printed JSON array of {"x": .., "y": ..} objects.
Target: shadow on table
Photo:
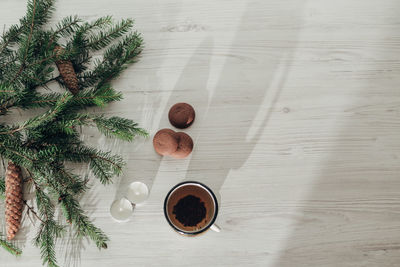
[
  {"x": 232, "y": 108},
  {"x": 233, "y": 103},
  {"x": 144, "y": 168},
  {"x": 351, "y": 216}
]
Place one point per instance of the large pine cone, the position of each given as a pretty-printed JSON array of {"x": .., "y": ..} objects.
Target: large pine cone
[
  {"x": 14, "y": 201},
  {"x": 67, "y": 72}
]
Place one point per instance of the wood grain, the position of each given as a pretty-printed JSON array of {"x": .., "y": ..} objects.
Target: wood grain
[{"x": 297, "y": 131}]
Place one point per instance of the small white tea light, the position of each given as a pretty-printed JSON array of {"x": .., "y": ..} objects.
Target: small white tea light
[
  {"x": 121, "y": 210},
  {"x": 137, "y": 192}
]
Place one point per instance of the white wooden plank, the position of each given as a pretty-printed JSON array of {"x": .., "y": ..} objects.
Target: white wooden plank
[{"x": 297, "y": 131}]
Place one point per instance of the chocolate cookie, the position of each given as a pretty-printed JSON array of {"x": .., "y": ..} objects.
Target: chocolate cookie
[
  {"x": 181, "y": 115},
  {"x": 185, "y": 146},
  {"x": 165, "y": 142}
]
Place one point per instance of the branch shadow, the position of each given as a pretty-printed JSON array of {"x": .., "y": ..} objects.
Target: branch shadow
[
  {"x": 234, "y": 91},
  {"x": 234, "y": 106},
  {"x": 152, "y": 96}
]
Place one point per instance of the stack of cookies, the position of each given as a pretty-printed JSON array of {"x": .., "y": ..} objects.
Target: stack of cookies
[{"x": 178, "y": 145}]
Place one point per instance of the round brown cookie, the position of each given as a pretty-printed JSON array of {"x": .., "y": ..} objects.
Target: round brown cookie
[
  {"x": 181, "y": 115},
  {"x": 185, "y": 146},
  {"x": 165, "y": 142}
]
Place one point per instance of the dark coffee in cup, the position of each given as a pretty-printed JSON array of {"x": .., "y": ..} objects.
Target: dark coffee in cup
[{"x": 190, "y": 208}]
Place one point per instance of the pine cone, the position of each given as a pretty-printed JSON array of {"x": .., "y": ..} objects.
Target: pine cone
[
  {"x": 14, "y": 201},
  {"x": 67, "y": 72}
]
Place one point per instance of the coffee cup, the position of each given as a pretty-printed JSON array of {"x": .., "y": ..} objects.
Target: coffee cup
[{"x": 191, "y": 208}]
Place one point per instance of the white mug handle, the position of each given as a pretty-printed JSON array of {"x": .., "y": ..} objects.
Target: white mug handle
[{"x": 215, "y": 228}]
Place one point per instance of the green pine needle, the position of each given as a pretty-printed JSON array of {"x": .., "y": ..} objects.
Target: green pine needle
[
  {"x": 83, "y": 226},
  {"x": 10, "y": 247},
  {"x": 103, "y": 38},
  {"x": 67, "y": 26},
  {"x": 43, "y": 144},
  {"x": 48, "y": 116},
  {"x": 38, "y": 13},
  {"x": 97, "y": 97},
  {"x": 118, "y": 127},
  {"x": 2, "y": 187},
  {"x": 46, "y": 240},
  {"x": 104, "y": 165}
]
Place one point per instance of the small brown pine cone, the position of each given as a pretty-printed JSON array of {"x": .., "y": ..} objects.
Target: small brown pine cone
[
  {"x": 14, "y": 201},
  {"x": 67, "y": 72}
]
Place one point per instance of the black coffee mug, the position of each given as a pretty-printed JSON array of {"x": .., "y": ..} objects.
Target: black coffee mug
[{"x": 206, "y": 200}]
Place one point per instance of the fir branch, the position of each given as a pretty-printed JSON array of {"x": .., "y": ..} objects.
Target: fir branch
[
  {"x": 8, "y": 56},
  {"x": 42, "y": 61},
  {"x": 31, "y": 6},
  {"x": 66, "y": 26},
  {"x": 73, "y": 214},
  {"x": 39, "y": 100},
  {"x": 12, "y": 149},
  {"x": 26, "y": 99},
  {"x": 48, "y": 153},
  {"x": 8, "y": 246},
  {"x": 83, "y": 226},
  {"x": 49, "y": 230},
  {"x": 85, "y": 98},
  {"x": 75, "y": 184},
  {"x": 78, "y": 44},
  {"x": 104, "y": 38},
  {"x": 45, "y": 83},
  {"x": 9, "y": 38},
  {"x": 6, "y": 90},
  {"x": 46, "y": 117},
  {"x": 93, "y": 25},
  {"x": 97, "y": 96},
  {"x": 104, "y": 165},
  {"x": 31, "y": 13},
  {"x": 2, "y": 187},
  {"x": 37, "y": 14},
  {"x": 44, "y": 204},
  {"x": 32, "y": 210},
  {"x": 66, "y": 182},
  {"x": 6, "y": 104},
  {"x": 118, "y": 127},
  {"x": 125, "y": 50},
  {"x": 116, "y": 58},
  {"x": 46, "y": 238},
  {"x": 44, "y": 143},
  {"x": 78, "y": 41},
  {"x": 55, "y": 134}
]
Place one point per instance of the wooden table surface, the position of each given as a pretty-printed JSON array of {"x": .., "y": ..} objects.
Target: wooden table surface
[{"x": 297, "y": 132}]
